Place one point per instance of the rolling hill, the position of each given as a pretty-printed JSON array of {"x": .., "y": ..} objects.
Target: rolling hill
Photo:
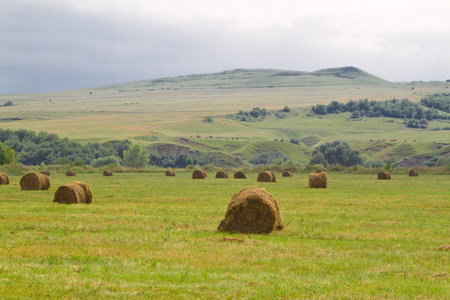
[
  {"x": 255, "y": 78},
  {"x": 168, "y": 114}
]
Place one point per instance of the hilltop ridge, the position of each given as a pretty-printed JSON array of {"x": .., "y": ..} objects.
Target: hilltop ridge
[{"x": 255, "y": 78}]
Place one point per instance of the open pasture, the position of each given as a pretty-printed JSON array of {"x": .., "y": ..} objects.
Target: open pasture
[
  {"x": 149, "y": 236},
  {"x": 107, "y": 113}
]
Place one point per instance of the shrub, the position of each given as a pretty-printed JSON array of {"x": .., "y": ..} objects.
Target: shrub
[
  {"x": 103, "y": 161},
  {"x": 266, "y": 158},
  {"x": 286, "y": 109}
]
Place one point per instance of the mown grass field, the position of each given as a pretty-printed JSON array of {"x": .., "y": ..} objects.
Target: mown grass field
[{"x": 147, "y": 236}]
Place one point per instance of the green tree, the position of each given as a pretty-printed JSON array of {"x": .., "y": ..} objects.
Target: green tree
[
  {"x": 389, "y": 166},
  {"x": 339, "y": 153},
  {"x": 136, "y": 157},
  {"x": 317, "y": 159},
  {"x": 7, "y": 155},
  {"x": 320, "y": 109},
  {"x": 356, "y": 114}
]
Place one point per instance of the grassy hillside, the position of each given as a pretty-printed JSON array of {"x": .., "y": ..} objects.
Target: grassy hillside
[
  {"x": 255, "y": 78},
  {"x": 171, "y": 110}
]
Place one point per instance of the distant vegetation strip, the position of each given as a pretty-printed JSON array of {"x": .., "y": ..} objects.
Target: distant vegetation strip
[
  {"x": 437, "y": 101},
  {"x": 394, "y": 108},
  {"x": 49, "y": 148}
]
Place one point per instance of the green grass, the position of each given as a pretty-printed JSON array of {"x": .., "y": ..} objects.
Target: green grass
[{"x": 150, "y": 236}]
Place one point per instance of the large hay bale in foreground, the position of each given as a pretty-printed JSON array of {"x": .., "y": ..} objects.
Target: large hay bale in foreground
[
  {"x": 87, "y": 191},
  {"x": 46, "y": 173},
  {"x": 384, "y": 176},
  {"x": 71, "y": 173},
  {"x": 239, "y": 175},
  {"x": 266, "y": 176},
  {"x": 107, "y": 173},
  {"x": 4, "y": 179},
  {"x": 170, "y": 173},
  {"x": 413, "y": 173},
  {"x": 252, "y": 210},
  {"x": 34, "y": 182},
  {"x": 74, "y": 192},
  {"x": 287, "y": 174},
  {"x": 222, "y": 174},
  {"x": 318, "y": 180},
  {"x": 199, "y": 174}
]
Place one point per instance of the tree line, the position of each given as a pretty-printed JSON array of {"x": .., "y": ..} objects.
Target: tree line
[
  {"x": 31, "y": 148},
  {"x": 437, "y": 101},
  {"x": 35, "y": 148},
  {"x": 395, "y": 108}
]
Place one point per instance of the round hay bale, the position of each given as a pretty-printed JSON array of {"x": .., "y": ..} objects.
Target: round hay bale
[
  {"x": 71, "y": 173},
  {"x": 46, "y": 173},
  {"x": 252, "y": 210},
  {"x": 266, "y": 176},
  {"x": 222, "y": 174},
  {"x": 384, "y": 176},
  {"x": 4, "y": 179},
  {"x": 87, "y": 191},
  {"x": 413, "y": 173},
  {"x": 107, "y": 173},
  {"x": 274, "y": 177},
  {"x": 239, "y": 175},
  {"x": 319, "y": 171},
  {"x": 318, "y": 180},
  {"x": 34, "y": 182},
  {"x": 287, "y": 174},
  {"x": 170, "y": 173},
  {"x": 74, "y": 192},
  {"x": 199, "y": 174}
]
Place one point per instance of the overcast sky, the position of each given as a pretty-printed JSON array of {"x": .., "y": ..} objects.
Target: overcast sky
[{"x": 51, "y": 45}]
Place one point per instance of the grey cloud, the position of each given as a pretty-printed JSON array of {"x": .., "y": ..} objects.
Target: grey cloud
[{"x": 48, "y": 48}]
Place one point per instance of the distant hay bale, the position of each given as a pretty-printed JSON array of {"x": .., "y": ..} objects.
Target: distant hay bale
[
  {"x": 266, "y": 176},
  {"x": 71, "y": 173},
  {"x": 170, "y": 173},
  {"x": 107, "y": 173},
  {"x": 319, "y": 171},
  {"x": 34, "y": 182},
  {"x": 318, "y": 180},
  {"x": 199, "y": 174},
  {"x": 222, "y": 174},
  {"x": 239, "y": 175},
  {"x": 384, "y": 176},
  {"x": 414, "y": 173},
  {"x": 4, "y": 179},
  {"x": 74, "y": 192},
  {"x": 252, "y": 210},
  {"x": 46, "y": 173},
  {"x": 287, "y": 174}
]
